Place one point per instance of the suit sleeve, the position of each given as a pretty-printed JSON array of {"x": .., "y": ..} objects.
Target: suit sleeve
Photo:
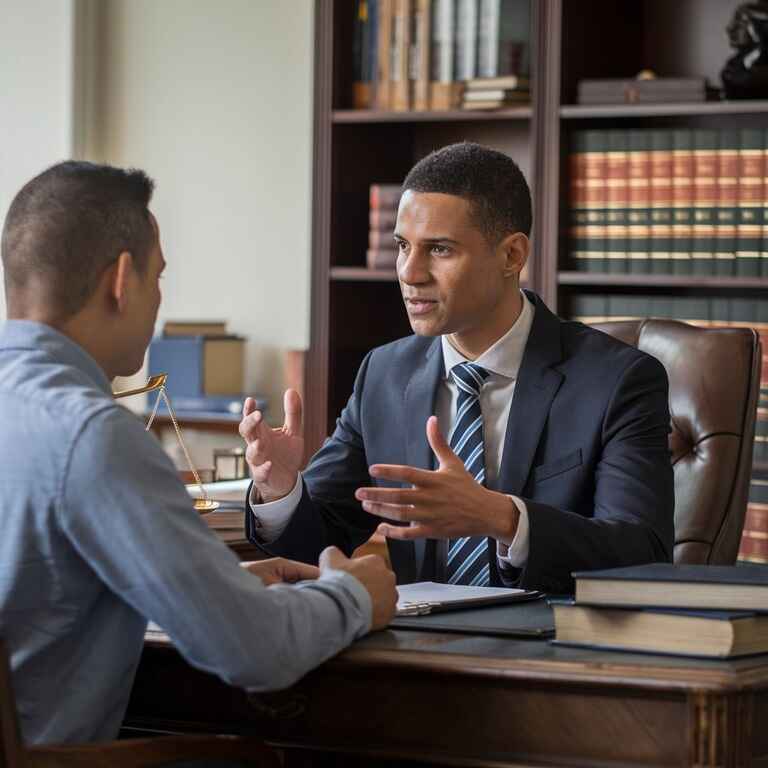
[
  {"x": 328, "y": 513},
  {"x": 633, "y": 516}
]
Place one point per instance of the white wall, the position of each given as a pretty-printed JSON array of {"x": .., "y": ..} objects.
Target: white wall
[
  {"x": 36, "y": 92},
  {"x": 214, "y": 100}
]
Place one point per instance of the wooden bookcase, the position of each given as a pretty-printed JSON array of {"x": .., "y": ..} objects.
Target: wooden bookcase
[{"x": 354, "y": 309}]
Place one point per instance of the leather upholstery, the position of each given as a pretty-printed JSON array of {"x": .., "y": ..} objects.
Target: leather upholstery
[{"x": 714, "y": 381}]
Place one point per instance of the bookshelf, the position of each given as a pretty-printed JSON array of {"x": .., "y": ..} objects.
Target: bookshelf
[{"x": 355, "y": 309}]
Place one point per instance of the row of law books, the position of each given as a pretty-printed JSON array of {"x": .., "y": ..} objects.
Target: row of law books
[
  {"x": 677, "y": 202},
  {"x": 691, "y": 610},
  {"x": 704, "y": 311},
  {"x": 420, "y": 54}
]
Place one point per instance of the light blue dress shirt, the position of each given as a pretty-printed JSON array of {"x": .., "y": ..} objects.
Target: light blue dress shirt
[{"x": 98, "y": 535}]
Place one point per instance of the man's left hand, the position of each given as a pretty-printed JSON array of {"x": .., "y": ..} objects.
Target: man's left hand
[
  {"x": 442, "y": 504},
  {"x": 278, "y": 570}
]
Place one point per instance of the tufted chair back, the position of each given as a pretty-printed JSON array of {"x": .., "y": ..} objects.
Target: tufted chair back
[{"x": 714, "y": 381}]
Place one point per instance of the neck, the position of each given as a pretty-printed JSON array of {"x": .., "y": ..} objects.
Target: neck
[
  {"x": 475, "y": 341},
  {"x": 88, "y": 332}
]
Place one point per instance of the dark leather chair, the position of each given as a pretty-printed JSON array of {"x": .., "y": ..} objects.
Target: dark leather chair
[
  {"x": 129, "y": 753},
  {"x": 714, "y": 382}
]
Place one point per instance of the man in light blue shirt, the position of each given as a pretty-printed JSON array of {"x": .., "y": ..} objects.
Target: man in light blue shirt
[{"x": 97, "y": 533}]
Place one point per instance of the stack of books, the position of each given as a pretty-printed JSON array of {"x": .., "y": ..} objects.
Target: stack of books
[
  {"x": 383, "y": 200},
  {"x": 713, "y": 311},
  {"x": 691, "y": 610},
  {"x": 495, "y": 92},
  {"x": 417, "y": 54}
]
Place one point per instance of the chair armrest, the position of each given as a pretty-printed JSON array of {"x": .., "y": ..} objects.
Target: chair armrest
[{"x": 142, "y": 753}]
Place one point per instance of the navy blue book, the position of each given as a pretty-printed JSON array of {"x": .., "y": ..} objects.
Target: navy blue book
[
  {"x": 712, "y": 634},
  {"x": 661, "y": 585}
]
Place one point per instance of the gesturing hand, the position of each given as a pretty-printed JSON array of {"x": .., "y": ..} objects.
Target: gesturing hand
[
  {"x": 273, "y": 455},
  {"x": 441, "y": 504}
]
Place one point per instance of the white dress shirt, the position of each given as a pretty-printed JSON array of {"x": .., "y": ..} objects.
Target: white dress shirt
[{"x": 502, "y": 361}]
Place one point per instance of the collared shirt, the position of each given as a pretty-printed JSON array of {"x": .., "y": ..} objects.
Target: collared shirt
[
  {"x": 503, "y": 361},
  {"x": 98, "y": 535}
]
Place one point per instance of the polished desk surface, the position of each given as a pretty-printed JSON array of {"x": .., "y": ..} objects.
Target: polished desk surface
[{"x": 460, "y": 699}]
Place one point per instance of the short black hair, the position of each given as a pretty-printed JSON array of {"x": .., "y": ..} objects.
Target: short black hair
[
  {"x": 490, "y": 181},
  {"x": 67, "y": 225}
]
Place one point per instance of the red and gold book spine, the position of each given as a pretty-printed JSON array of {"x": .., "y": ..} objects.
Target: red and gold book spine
[
  {"x": 727, "y": 201},
  {"x": 617, "y": 202},
  {"x": 661, "y": 201},
  {"x": 682, "y": 201},
  {"x": 754, "y": 539},
  {"x": 639, "y": 192}
]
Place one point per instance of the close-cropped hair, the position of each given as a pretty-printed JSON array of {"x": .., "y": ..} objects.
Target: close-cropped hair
[
  {"x": 67, "y": 225},
  {"x": 490, "y": 181}
]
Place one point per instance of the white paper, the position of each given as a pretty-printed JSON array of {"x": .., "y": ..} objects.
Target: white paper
[{"x": 424, "y": 592}]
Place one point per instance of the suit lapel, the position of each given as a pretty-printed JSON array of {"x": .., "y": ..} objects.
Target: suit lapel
[
  {"x": 419, "y": 405},
  {"x": 536, "y": 387}
]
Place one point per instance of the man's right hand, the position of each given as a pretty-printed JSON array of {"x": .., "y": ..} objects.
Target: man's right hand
[
  {"x": 372, "y": 572},
  {"x": 274, "y": 455}
]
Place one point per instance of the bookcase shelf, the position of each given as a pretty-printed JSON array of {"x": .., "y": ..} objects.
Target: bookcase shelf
[
  {"x": 661, "y": 281},
  {"x": 340, "y": 116},
  {"x": 692, "y": 109}
]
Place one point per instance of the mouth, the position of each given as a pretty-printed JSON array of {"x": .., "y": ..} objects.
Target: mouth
[{"x": 420, "y": 306}]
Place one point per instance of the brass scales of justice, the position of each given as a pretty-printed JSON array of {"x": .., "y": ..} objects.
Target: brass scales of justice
[{"x": 157, "y": 383}]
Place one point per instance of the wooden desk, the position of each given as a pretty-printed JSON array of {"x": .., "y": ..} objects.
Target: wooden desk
[{"x": 481, "y": 701}]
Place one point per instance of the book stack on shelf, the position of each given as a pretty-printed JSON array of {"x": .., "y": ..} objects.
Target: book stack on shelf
[
  {"x": 383, "y": 201},
  {"x": 649, "y": 90},
  {"x": 495, "y": 92},
  {"x": 671, "y": 201},
  {"x": 690, "y": 610},
  {"x": 418, "y": 54}
]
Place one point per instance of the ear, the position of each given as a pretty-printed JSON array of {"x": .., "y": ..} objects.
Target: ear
[
  {"x": 516, "y": 248},
  {"x": 118, "y": 276}
]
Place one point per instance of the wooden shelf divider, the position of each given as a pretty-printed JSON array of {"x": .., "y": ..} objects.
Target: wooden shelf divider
[{"x": 450, "y": 116}]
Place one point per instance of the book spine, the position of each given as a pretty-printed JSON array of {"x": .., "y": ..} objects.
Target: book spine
[
  {"x": 488, "y": 38},
  {"x": 382, "y": 219},
  {"x": 682, "y": 201},
  {"x": 361, "y": 44},
  {"x": 754, "y": 540},
  {"x": 639, "y": 216},
  {"x": 705, "y": 143},
  {"x": 661, "y": 202},
  {"x": 401, "y": 81},
  {"x": 727, "y": 198},
  {"x": 750, "y": 203},
  {"x": 381, "y": 240},
  {"x": 764, "y": 241},
  {"x": 380, "y": 258},
  {"x": 587, "y": 209},
  {"x": 384, "y": 196},
  {"x": 466, "y": 39},
  {"x": 421, "y": 55},
  {"x": 444, "y": 92},
  {"x": 589, "y": 308},
  {"x": 384, "y": 57},
  {"x": 617, "y": 185}
]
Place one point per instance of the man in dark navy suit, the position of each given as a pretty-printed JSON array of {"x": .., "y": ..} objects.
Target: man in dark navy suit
[{"x": 498, "y": 444}]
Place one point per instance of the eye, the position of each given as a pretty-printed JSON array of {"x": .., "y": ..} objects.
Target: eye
[
  {"x": 401, "y": 245},
  {"x": 440, "y": 250}
]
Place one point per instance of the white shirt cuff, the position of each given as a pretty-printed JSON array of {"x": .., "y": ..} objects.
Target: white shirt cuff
[
  {"x": 515, "y": 554},
  {"x": 271, "y": 518}
]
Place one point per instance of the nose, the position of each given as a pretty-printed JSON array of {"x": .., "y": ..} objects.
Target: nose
[{"x": 413, "y": 267}]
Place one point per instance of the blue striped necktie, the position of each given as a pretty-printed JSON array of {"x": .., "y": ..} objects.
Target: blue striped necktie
[{"x": 467, "y": 560}]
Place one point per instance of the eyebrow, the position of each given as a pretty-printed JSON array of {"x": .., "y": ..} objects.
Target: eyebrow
[{"x": 431, "y": 239}]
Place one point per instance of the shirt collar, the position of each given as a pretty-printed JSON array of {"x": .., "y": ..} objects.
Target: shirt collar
[
  {"x": 28, "y": 334},
  {"x": 505, "y": 355}
]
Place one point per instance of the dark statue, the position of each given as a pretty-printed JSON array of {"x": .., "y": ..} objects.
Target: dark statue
[{"x": 745, "y": 75}]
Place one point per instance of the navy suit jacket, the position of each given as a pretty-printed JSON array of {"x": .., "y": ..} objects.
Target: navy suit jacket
[{"x": 586, "y": 448}]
